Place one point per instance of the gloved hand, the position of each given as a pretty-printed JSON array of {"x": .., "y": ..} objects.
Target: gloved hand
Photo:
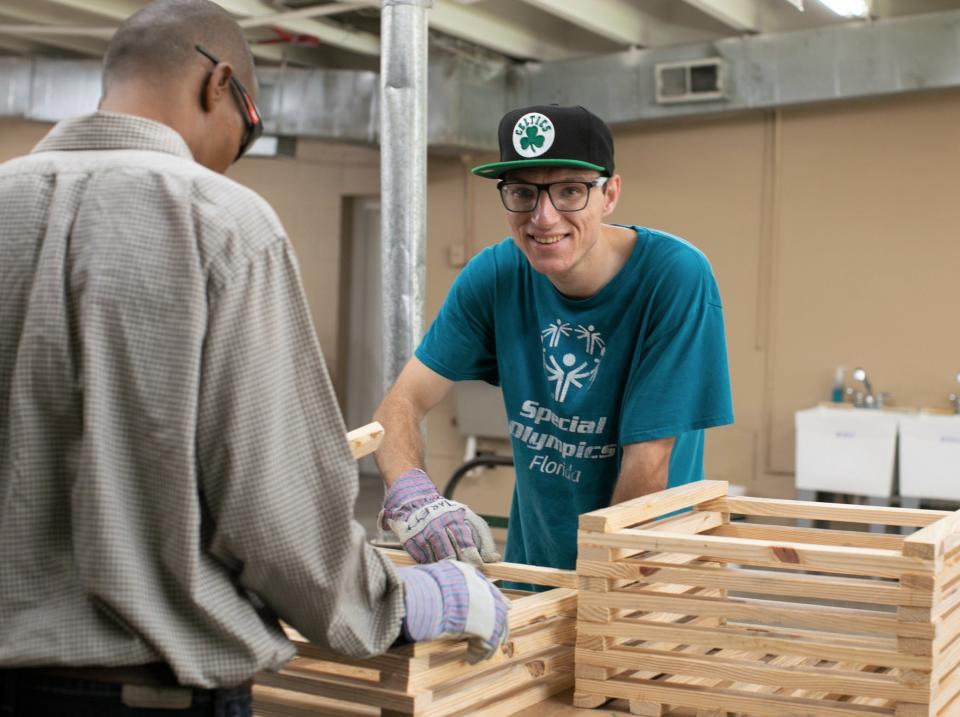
[
  {"x": 433, "y": 528},
  {"x": 451, "y": 598}
]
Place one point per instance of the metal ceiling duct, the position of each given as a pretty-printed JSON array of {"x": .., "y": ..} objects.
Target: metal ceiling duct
[{"x": 468, "y": 95}]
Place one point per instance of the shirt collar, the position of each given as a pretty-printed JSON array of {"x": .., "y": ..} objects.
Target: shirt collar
[{"x": 113, "y": 130}]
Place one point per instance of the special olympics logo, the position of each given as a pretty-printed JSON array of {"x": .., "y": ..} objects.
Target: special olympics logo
[{"x": 571, "y": 356}]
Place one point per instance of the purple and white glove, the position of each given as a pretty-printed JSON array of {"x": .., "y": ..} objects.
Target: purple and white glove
[
  {"x": 433, "y": 528},
  {"x": 453, "y": 599}
]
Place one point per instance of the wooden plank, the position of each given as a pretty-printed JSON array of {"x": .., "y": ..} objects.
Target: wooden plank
[
  {"x": 526, "y": 696},
  {"x": 719, "y": 667},
  {"x": 533, "y": 574},
  {"x": 700, "y": 696},
  {"x": 526, "y": 643},
  {"x": 784, "y": 614},
  {"x": 274, "y": 702},
  {"x": 779, "y": 661},
  {"x": 690, "y": 523},
  {"x": 421, "y": 673},
  {"x": 365, "y": 440},
  {"x": 651, "y": 506},
  {"x": 466, "y": 694},
  {"x": 760, "y": 581},
  {"x": 794, "y": 556},
  {"x": 754, "y": 638},
  {"x": 864, "y": 514},
  {"x": 559, "y": 601},
  {"x": 816, "y": 536},
  {"x": 935, "y": 539},
  {"x": 948, "y": 693},
  {"x": 340, "y": 688}
]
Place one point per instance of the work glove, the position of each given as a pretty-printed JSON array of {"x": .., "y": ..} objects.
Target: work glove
[
  {"x": 453, "y": 599},
  {"x": 432, "y": 528}
]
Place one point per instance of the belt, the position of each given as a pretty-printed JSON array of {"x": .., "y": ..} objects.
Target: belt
[
  {"x": 151, "y": 686},
  {"x": 154, "y": 674}
]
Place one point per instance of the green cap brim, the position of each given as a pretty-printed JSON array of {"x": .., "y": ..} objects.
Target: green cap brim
[{"x": 496, "y": 169}]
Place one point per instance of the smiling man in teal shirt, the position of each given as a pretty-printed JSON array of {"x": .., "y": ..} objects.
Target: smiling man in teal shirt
[{"x": 607, "y": 341}]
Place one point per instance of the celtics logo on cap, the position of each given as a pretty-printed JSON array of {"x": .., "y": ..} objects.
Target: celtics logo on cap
[{"x": 533, "y": 135}]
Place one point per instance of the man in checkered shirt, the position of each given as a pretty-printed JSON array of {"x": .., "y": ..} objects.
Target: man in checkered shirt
[{"x": 174, "y": 475}]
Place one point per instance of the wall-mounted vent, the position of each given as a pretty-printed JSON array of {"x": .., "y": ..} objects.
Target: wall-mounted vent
[{"x": 689, "y": 81}]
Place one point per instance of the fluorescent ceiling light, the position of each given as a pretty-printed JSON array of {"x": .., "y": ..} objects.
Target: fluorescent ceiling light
[{"x": 848, "y": 8}]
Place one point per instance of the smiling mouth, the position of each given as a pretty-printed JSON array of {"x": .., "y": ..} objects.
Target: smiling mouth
[{"x": 547, "y": 240}]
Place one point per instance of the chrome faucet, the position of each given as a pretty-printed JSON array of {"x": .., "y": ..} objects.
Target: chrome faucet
[
  {"x": 866, "y": 398},
  {"x": 955, "y": 398}
]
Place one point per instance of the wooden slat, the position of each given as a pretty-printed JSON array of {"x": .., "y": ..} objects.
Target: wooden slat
[
  {"x": 934, "y": 541},
  {"x": 799, "y": 556},
  {"x": 760, "y": 581},
  {"x": 770, "y": 640},
  {"x": 781, "y": 661},
  {"x": 718, "y": 667},
  {"x": 846, "y": 538},
  {"x": 646, "y": 507},
  {"x": 532, "y": 574},
  {"x": 559, "y": 601},
  {"x": 341, "y": 688},
  {"x": 863, "y": 514},
  {"x": 274, "y": 702},
  {"x": 708, "y": 697},
  {"x": 526, "y": 644},
  {"x": 948, "y": 693},
  {"x": 420, "y": 673},
  {"x": 690, "y": 523},
  {"x": 835, "y": 619},
  {"x": 526, "y": 696},
  {"x": 365, "y": 440},
  {"x": 460, "y": 696}
]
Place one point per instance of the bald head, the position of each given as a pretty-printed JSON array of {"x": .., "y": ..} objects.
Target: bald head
[{"x": 154, "y": 45}]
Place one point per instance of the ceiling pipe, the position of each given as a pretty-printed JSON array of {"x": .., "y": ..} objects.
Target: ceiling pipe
[{"x": 403, "y": 178}]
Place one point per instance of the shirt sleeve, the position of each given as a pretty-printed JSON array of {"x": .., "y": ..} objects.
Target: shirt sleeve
[
  {"x": 461, "y": 342},
  {"x": 679, "y": 378},
  {"x": 278, "y": 481}
]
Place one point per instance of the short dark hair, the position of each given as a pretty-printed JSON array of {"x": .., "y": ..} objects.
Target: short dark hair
[{"x": 155, "y": 43}]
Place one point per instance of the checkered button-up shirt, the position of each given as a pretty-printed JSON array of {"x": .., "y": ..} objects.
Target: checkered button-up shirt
[{"x": 173, "y": 469}]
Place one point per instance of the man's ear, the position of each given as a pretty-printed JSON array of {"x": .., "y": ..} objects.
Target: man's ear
[
  {"x": 611, "y": 194},
  {"x": 216, "y": 88}
]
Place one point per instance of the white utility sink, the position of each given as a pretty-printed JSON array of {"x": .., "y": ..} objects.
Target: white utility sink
[
  {"x": 846, "y": 450},
  {"x": 930, "y": 456}
]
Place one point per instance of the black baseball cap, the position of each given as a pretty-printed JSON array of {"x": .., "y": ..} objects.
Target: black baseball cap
[{"x": 551, "y": 136}]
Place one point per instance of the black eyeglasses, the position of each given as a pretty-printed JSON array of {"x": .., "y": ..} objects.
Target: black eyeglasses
[
  {"x": 248, "y": 109},
  {"x": 566, "y": 196}
]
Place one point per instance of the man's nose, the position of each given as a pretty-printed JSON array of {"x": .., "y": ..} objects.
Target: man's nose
[{"x": 544, "y": 213}]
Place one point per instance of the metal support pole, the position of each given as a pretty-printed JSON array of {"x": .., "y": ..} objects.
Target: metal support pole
[{"x": 403, "y": 178}]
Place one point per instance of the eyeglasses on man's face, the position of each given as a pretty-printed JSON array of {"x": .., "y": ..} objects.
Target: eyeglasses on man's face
[
  {"x": 566, "y": 196},
  {"x": 248, "y": 109}
]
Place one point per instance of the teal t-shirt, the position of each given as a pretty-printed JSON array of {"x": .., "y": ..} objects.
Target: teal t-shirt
[{"x": 643, "y": 358}]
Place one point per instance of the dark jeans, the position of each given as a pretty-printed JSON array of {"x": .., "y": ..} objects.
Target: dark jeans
[{"x": 26, "y": 693}]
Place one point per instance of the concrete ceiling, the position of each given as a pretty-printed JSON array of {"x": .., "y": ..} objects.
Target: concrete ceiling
[{"x": 345, "y": 34}]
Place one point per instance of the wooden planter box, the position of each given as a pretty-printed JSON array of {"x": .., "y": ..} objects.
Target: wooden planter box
[
  {"x": 433, "y": 678},
  {"x": 693, "y": 611}
]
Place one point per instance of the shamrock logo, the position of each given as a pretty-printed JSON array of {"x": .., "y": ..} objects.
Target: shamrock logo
[
  {"x": 533, "y": 135},
  {"x": 533, "y": 138}
]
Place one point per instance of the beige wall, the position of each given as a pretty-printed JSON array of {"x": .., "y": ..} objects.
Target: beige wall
[
  {"x": 308, "y": 194},
  {"x": 830, "y": 229}
]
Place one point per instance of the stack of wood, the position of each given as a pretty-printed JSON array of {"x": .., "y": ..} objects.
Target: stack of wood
[
  {"x": 691, "y": 611},
  {"x": 433, "y": 678}
]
